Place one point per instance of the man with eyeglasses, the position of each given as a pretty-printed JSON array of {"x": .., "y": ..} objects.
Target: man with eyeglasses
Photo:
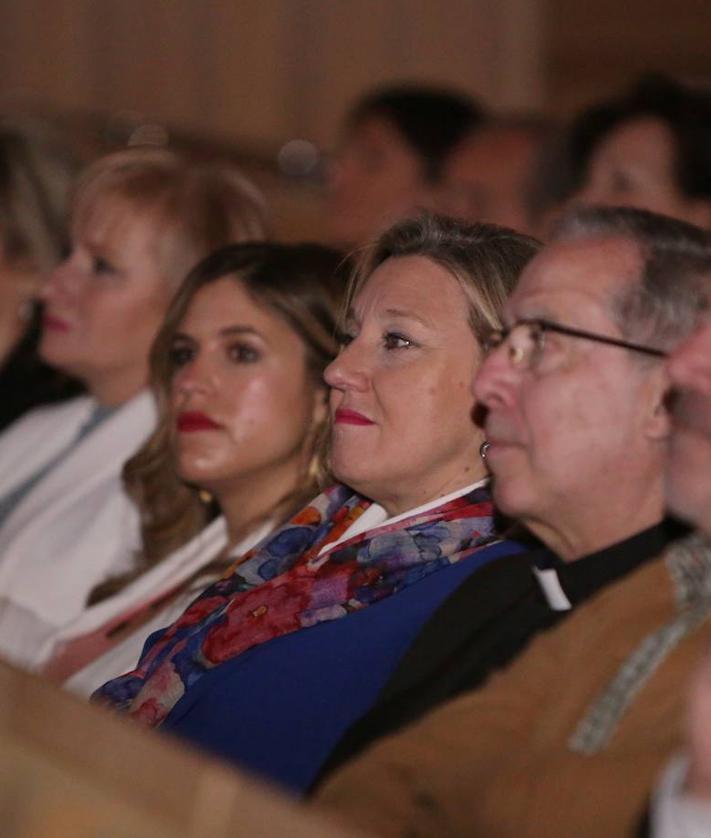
[{"x": 575, "y": 395}]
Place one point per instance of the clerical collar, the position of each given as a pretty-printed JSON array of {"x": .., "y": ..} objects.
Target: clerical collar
[{"x": 566, "y": 584}]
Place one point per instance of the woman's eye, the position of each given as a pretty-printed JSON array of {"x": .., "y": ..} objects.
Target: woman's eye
[
  {"x": 102, "y": 266},
  {"x": 181, "y": 355},
  {"x": 344, "y": 338},
  {"x": 242, "y": 353},
  {"x": 393, "y": 340}
]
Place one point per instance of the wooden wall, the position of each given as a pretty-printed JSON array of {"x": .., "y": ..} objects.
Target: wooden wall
[{"x": 261, "y": 70}]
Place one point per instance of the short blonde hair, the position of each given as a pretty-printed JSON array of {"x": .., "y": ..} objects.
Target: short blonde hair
[
  {"x": 195, "y": 208},
  {"x": 485, "y": 259}
]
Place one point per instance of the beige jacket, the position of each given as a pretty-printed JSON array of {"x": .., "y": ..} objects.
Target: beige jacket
[{"x": 498, "y": 761}]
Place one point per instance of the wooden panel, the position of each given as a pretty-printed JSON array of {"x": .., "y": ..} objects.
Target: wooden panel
[
  {"x": 594, "y": 49},
  {"x": 261, "y": 70},
  {"x": 69, "y": 769}
]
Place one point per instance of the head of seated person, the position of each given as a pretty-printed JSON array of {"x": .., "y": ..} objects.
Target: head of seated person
[
  {"x": 687, "y": 477},
  {"x": 140, "y": 219},
  {"x": 650, "y": 148},
  {"x": 237, "y": 369},
  {"x": 395, "y": 143},
  {"x": 402, "y": 407},
  {"x": 37, "y": 169},
  {"x": 489, "y": 175},
  {"x": 575, "y": 388}
]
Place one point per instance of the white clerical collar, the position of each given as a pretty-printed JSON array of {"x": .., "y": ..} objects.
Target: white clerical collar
[
  {"x": 552, "y": 589},
  {"x": 376, "y": 516}
]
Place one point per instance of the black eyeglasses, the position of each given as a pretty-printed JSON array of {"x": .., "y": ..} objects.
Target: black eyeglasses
[{"x": 526, "y": 341}]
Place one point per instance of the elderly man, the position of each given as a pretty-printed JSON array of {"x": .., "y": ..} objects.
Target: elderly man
[
  {"x": 683, "y": 805},
  {"x": 575, "y": 390}
]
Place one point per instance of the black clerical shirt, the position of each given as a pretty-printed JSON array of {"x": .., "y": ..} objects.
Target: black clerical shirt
[{"x": 486, "y": 623}]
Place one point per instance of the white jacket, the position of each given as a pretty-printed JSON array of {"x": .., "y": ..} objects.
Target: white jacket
[
  {"x": 149, "y": 587},
  {"x": 75, "y": 527}
]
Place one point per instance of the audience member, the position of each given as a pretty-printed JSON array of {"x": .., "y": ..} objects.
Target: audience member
[
  {"x": 396, "y": 142},
  {"x": 340, "y": 591},
  {"x": 567, "y": 740},
  {"x": 140, "y": 220},
  {"x": 36, "y": 174},
  {"x": 650, "y": 148},
  {"x": 682, "y": 808},
  {"x": 489, "y": 175},
  {"x": 237, "y": 371}
]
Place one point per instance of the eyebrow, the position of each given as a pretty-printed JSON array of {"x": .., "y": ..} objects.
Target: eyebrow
[
  {"x": 228, "y": 331},
  {"x": 409, "y": 315}
]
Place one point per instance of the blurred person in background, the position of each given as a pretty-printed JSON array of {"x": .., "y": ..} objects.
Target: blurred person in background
[
  {"x": 140, "y": 220},
  {"x": 489, "y": 174},
  {"x": 237, "y": 370},
  {"x": 37, "y": 171},
  {"x": 271, "y": 664},
  {"x": 396, "y": 142},
  {"x": 567, "y": 740},
  {"x": 649, "y": 148}
]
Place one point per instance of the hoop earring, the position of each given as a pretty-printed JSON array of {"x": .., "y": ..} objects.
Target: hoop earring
[{"x": 484, "y": 449}]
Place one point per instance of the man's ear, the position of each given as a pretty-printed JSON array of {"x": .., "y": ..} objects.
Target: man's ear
[{"x": 659, "y": 414}]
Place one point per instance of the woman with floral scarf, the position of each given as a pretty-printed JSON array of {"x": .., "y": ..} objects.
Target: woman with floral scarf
[{"x": 272, "y": 663}]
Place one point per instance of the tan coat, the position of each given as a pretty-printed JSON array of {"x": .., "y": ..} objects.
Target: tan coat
[{"x": 495, "y": 762}]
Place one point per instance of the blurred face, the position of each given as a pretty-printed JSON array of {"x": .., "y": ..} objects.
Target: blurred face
[
  {"x": 375, "y": 180},
  {"x": 634, "y": 166},
  {"x": 104, "y": 305},
  {"x": 401, "y": 401},
  {"x": 485, "y": 178},
  {"x": 242, "y": 405},
  {"x": 688, "y": 474},
  {"x": 575, "y": 427}
]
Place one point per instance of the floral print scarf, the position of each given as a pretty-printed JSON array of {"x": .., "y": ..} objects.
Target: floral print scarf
[{"x": 283, "y": 585}]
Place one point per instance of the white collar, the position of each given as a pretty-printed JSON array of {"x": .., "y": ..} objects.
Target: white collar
[{"x": 376, "y": 516}]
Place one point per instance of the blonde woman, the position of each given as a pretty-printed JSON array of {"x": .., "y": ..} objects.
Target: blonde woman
[{"x": 140, "y": 220}]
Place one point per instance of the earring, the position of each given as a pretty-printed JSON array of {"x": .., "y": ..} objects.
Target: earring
[
  {"x": 483, "y": 449},
  {"x": 205, "y": 496}
]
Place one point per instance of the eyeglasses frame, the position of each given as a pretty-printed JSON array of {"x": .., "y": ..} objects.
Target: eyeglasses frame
[{"x": 549, "y": 326}]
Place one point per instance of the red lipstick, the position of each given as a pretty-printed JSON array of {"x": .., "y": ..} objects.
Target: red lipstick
[
  {"x": 351, "y": 417},
  {"x": 55, "y": 324},
  {"x": 193, "y": 420}
]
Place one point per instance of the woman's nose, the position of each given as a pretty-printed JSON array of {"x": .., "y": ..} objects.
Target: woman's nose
[
  {"x": 192, "y": 378},
  {"x": 61, "y": 282},
  {"x": 348, "y": 370}
]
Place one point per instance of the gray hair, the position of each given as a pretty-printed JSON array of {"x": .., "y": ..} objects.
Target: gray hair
[
  {"x": 664, "y": 305},
  {"x": 485, "y": 259}
]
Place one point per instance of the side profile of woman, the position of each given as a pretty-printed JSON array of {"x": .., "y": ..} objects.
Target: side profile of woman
[
  {"x": 237, "y": 370},
  {"x": 37, "y": 171},
  {"x": 140, "y": 220},
  {"x": 272, "y": 663}
]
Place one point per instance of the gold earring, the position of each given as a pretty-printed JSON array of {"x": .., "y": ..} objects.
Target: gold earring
[{"x": 205, "y": 496}]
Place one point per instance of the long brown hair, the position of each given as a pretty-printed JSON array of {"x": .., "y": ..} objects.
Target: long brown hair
[{"x": 303, "y": 284}]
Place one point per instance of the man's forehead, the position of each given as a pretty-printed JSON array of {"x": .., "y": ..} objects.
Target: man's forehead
[{"x": 592, "y": 270}]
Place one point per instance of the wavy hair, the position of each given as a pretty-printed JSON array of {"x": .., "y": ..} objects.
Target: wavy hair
[{"x": 301, "y": 283}]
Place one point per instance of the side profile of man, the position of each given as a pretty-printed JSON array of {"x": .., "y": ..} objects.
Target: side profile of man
[
  {"x": 682, "y": 808},
  {"x": 576, "y": 397}
]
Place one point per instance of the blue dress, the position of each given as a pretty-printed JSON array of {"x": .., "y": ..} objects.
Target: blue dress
[{"x": 279, "y": 708}]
